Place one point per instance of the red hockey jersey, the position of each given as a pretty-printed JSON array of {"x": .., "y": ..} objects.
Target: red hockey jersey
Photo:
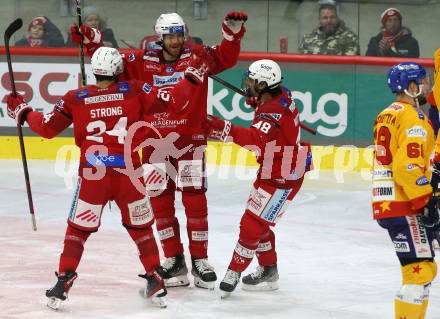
[
  {"x": 274, "y": 136},
  {"x": 150, "y": 67},
  {"x": 101, "y": 117}
]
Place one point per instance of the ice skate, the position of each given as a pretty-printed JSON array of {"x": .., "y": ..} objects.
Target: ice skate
[
  {"x": 174, "y": 272},
  {"x": 154, "y": 290},
  {"x": 229, "y": 283},
  {"x": 203, "y": 272},
  {"x": 265, "y": 278},
  {"x": 58, "y": 293}
]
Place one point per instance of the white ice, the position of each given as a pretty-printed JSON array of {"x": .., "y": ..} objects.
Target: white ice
[{"x": 334, "y": 260}]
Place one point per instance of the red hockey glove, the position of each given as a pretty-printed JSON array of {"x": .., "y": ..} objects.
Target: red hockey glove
[
  {"x": 217, "y": 128},
  {"x": 17, "y": 108},
  {"x": 252, "y": 102},
  {"x": 197, "y": 70},
  {"x": 233, "y": 26},
  {"x": 90, "y": 35}
]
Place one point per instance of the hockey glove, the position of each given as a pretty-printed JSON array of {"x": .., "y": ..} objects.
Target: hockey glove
[
  {"x": 197, "y": 70},
  {"x": 92, "y": 37},
  {"x": 430, "y": 218},
  {"x": 233, "y": 26},
  {"x": 217, "y": 128},
  {"x": 17, "y": 108},
  {"x": 252, "y": 102}
]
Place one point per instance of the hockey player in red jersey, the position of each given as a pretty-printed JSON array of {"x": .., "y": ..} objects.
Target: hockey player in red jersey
[
  {"x": 101, "y": 115},
  {"x": 163, "y": 68},
  {"x": 275, "y": 138}
]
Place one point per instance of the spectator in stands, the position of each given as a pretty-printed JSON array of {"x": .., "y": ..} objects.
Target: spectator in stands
[
  {"x": 94, "y": 20},
  {"x": 42, "y": 33},
  {"x": 394, "y": 40},
  {"x": 149, "y": 42},
  {"x": 331, "y": 37}
]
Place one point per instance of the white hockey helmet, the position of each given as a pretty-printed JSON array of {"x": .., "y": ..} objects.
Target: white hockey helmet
[
  {"x": 265, "y": 71},
  {"x": 107, "y": 61},
  {"x": 169, "y": 23}
]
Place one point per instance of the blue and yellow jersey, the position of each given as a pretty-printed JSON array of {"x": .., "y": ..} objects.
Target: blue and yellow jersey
[{"x": 404, "y": 144}]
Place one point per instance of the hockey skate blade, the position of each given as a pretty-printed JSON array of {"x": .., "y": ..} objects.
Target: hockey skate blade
[
  {"x": 264, "y": 286},
  {"x": 156, "y": 301},
  {"x": 178, "y": 281},
  {"x": 54, "y": 303},
  {"x": 199, "y": 283}
]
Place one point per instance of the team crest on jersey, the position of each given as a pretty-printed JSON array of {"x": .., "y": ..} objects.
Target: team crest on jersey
[
  {"x": 169, "y": 69},
  {"x": 131, "y": 57},
  {"x": 146, "y": 88},
  {"x": 123, "y": 87},
  {"x": 81, "y": 94}
]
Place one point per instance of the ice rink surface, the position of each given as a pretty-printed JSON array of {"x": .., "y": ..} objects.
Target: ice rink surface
[{"x": 334, "y": 260}]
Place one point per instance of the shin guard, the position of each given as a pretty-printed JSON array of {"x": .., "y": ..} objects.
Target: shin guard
[
  {"x": 412, "y": 299},
  {"x": 73, "y": 249},
  {"x": 196, "y": 210},
  {"x": 147, "y": 247}
]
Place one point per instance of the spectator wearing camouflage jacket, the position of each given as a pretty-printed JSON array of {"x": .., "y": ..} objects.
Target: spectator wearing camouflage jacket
[{"x": 332, "y": 37}]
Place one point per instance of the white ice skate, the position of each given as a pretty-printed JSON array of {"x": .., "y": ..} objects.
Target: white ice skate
[
  {"x": 174, "y": 272},
  {"x": 203, "y": 272},
  {"x": 229, "y": 282}
]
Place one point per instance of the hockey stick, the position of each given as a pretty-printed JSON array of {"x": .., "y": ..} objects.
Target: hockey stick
[
  {"x": 13, "y": 27},
  {"x": 81, "y": 45},
  {"x": 237, "y": 90}
]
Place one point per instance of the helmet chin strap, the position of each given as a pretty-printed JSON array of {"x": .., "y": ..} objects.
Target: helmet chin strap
[{"x": 416, "y": 95}]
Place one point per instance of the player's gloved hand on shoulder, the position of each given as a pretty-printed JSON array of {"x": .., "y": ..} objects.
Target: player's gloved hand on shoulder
[
  {"x": 197, "y": 70},
  {"x": 217, "y": 128},
  {"x": 17, "y": 108},
  {"x": 252, "y": 101},
  {"x": 430, "y": 217},
  {"x": 233, "y": 26},
  {"x": 86, "y": 33}
]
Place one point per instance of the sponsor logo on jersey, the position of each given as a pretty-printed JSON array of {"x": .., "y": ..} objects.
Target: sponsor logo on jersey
[
  {"x": 383, "y": 190},
  {"x": 75, "y": 199},
  {"x": 123, "y": 87},
  {"x": 155, "y": 176},
  {"x": 47, "y": 117},
  {"x": 166, "y": 233},
  {"x": 199, "y": 235},
  {"x": 421, "y": 115},
  {"x": 274, "y": 208},
  {"x": 395, "y": 107},
  {"x": 417, "y": 131},
  {"x": 422, "y": 181},
  {"x": 276, "y": 116},
  {"x": 185, "y": 55},
  {"x": 151, "y": 66},
  {"x": 382, "y": 174},
  {"x": 401, "y": 236},
  {"x": 104, "y": 98},
  {"x": 140, "y": 212},
  {"x": 151, "y": 58},
  {"x": 105, "y": 160},
  {"x": 81, "y": 94},
  {"x": 411, "y": 167},
  {"x": 257, "y": 200},
  {"x": 162, "y": 121},
  {"x": 169, "y": 69},
  {"x": 162, "y": 80},
  {"x": 106, "y": 112},
  {"x": 146, "y": 88},
  {"x": 284, "y": 103},
  {"x": 401, "y": 246},
  {"x": 131, "y": 57},
  {"x": 184, "y": 63},
  {"x": 190, "y": 174}
]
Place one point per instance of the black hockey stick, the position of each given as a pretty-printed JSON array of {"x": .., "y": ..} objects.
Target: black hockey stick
[
  {"x": 81, "y": 45},
  {"x": 13, "y": 27},
  {"x": 237, "y": 90}
]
